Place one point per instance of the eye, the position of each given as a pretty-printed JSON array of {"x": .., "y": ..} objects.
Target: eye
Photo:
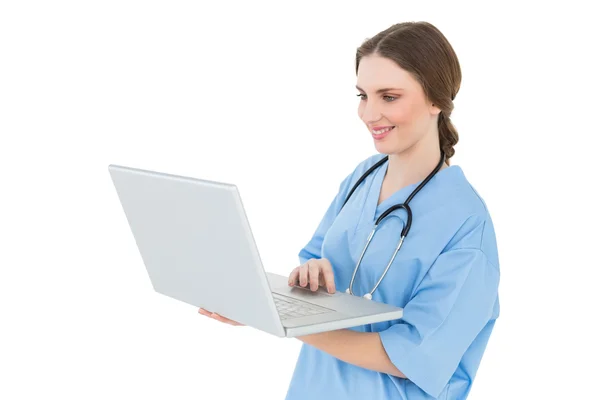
[{"x": 388, "y": 97}]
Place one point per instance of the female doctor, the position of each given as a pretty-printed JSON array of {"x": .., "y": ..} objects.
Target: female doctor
[{"x": 445, "y": 274}]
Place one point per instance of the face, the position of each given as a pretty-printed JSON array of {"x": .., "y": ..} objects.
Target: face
[{"x": 402, "y": 105}]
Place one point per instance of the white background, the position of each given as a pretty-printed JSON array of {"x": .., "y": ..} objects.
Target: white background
[{"x": 262, "y": 95}]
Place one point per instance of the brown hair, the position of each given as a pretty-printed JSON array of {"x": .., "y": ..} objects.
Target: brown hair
[{"x": 422, "y": 50}]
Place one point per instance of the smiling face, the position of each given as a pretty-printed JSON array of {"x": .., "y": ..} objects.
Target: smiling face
[{"x": 391, "y": 97}]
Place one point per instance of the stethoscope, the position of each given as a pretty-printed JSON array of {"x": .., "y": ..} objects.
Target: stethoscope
[{"x": 406, "y": 228}]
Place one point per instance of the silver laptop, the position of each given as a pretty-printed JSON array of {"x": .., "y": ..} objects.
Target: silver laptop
[{"x": 195, "y": 241}]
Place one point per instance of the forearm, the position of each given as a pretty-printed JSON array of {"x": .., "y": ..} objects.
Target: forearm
[{"x": 363, "y": 349}]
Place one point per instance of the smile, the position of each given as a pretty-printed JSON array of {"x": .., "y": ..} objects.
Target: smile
[{"x": 382, "y": 133}]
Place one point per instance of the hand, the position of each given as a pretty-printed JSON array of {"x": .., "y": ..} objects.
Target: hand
[
  {"x": 218, "y": 317},
  {"x": 316, "y": 272}
]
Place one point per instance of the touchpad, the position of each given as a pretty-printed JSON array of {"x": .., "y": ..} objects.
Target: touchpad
[{"x": 319, "y": 292}]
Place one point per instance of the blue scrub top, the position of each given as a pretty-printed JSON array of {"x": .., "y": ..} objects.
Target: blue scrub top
[{"x": 445, "y": 276}]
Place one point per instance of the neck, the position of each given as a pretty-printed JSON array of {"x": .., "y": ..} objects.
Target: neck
[{"x": 413, "y": 164}]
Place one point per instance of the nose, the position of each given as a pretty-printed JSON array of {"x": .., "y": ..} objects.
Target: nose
[{"x": 369, "y": 112}]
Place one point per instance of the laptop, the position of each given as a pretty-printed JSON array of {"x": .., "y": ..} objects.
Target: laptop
[{"x": 197, "y": 246}]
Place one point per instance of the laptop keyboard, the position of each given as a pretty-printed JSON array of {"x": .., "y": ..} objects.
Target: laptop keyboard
[{"x": 292, "y": 308}]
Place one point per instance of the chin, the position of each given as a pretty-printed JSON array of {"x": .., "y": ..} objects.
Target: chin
[{"x": 385, "y": 148}]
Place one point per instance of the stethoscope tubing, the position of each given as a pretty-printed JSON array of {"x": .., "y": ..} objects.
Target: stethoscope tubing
[{"x": 391, "y": 209}]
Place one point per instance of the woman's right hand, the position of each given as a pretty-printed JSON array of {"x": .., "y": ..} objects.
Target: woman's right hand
[
  {"x": 218, "y": 317},
  {"x": 314, "y": 272}
]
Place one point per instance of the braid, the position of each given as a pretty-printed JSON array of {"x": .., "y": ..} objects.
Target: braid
[{"x": 448, "y": 135}]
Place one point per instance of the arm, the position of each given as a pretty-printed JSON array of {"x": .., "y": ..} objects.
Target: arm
[
  {"x": 363, "y": 349},
  {"x": 449, "y": 309}
]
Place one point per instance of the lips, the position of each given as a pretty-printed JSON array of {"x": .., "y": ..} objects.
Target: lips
[
  {"x": 377, "y": 128},
  {"x": 379, "y": 136}
]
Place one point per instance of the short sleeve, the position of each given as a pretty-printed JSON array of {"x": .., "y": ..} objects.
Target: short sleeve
[
  {"x": 313, "y": 247},
  {"x": 449, "y": 308}
]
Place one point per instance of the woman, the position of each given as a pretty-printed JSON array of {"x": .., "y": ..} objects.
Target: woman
[{"x": 446, "y": 274}]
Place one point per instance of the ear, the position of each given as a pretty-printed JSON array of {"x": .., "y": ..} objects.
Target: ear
[{"x": 434, "y": 110}]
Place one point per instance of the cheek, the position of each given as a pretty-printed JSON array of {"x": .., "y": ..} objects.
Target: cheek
[
  {"x": 404, "y": 116},
  {"x": 400, "y": 118},
  {"x": 408, "y": 124}
]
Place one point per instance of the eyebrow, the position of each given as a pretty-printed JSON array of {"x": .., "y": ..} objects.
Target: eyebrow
[{"x": 382, "y": 90}]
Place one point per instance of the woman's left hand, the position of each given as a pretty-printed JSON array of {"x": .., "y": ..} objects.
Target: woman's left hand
[{"x": 218, "y": 317}]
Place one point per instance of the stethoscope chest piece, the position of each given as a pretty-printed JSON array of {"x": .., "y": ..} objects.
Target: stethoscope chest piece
[{"x": 367, "y": 296}]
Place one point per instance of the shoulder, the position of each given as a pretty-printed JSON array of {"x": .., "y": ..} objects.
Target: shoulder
[
  {"x": 471, "y": 225},
  {"x": 362, "y": 167},
  {"x": 368, "y": 162},
  {"x": 353, "y": 176}
]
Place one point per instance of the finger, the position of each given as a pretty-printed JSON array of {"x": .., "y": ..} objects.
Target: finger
[
  {"x": 293, "y": 279},
  {"x": 204, "y": 312},
  {"x": 327, "y": 273},
  {"x": 221, "y": 318},
  {"x": 303, "y": 273},
  {"x": 313, "y": 275}
]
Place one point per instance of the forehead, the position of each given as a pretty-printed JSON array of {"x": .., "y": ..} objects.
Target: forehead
[{"x": 375, "y": 72}]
